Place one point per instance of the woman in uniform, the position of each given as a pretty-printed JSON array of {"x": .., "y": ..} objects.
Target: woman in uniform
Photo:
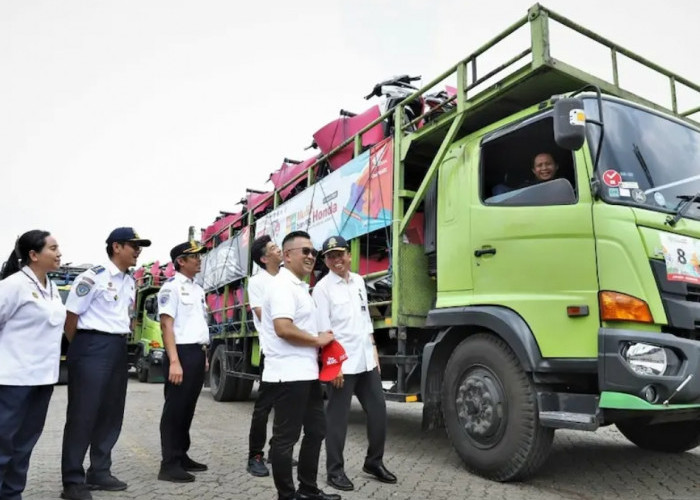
[{"x": 31, "y": 325}]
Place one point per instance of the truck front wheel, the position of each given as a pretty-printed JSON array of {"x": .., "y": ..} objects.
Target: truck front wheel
[
  {"x": 490, "y": 411},
  {"x": 671, "y": 437}
]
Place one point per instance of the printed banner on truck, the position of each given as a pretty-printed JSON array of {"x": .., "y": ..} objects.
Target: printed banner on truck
[
  {"x": 354, "y": 200},
  {"x": 225, "y": 263},
  {"x": 681, "y": 256}
]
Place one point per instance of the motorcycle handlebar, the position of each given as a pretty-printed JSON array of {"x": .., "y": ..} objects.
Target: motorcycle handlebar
[
  {"x": 345, "y": 112},
  {"x": 402, "y": 80}
]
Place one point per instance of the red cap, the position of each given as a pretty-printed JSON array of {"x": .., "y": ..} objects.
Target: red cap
[{"x": 332, "y": 357}]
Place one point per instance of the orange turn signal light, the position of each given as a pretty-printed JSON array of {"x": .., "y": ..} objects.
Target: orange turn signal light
[
  {"x": 154, "y": 344},
  {"x": 616, "y": 306}
]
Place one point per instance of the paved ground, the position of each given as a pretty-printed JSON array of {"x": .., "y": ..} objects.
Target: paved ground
[{"x": 581, "y": 466}]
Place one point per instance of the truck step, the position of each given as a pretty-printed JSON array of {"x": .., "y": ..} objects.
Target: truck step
[{"x": 569, "y": 420}]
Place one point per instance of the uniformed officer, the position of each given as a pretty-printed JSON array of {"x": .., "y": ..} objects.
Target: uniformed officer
[
  {"x": 183, "y": 321},
  {"x": 268, "y": 256},
  {"x": 291, "y": 342},
  {"x": 97, "y": 324},
  {"x": 31, "y": 326},
  {"x": 341, "y": 299}
]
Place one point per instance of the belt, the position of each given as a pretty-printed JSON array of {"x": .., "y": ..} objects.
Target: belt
[
  {"x": 97, "y": 332},
  {"x": 203, "y": 347}
]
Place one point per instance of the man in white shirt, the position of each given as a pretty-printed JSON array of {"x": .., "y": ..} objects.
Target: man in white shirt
[
  {"x": 268, "y": 256},
  {"x": 341, "y": 299},
  {"x": 182, "y": 311},
  {"x": 291, "y": 341},
  {"x": 98, "y": 321}
]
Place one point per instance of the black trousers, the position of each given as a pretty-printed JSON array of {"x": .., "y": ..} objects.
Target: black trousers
[
  {"x": 297, "y": 405},
  {"x": 22, "y": 415},
  {"x": 258, "y": 423},
  {"x": 97, "y": 377},
  {"x": 367, "y": 386},
  {"x": 261, "y": 413},
  {"x": 180, "y": 404}
]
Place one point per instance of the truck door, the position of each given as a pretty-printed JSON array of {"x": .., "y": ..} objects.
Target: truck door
[
  {"x": 454, "y": 276},
  {"x": 534, "y": 255}
]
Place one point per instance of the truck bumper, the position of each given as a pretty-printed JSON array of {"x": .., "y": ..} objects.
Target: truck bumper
[{"x": 616, "y": 376}]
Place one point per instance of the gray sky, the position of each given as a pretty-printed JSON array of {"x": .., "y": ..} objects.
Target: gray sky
[{"x": 159, "y": 113}]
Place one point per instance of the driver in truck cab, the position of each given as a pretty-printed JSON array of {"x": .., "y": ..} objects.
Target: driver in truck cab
[{"x": 544, "y": 168}]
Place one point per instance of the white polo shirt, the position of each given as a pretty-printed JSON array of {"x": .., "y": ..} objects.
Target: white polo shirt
[
  {"x": 257, "y": 288},
  {"x": 31, "y": 327},
  {"x": 183, "y": 300},
  {"x": 103, "y": 299},
  {"x": 288, "y": 297},
  {"x": 342, "y": 307}
]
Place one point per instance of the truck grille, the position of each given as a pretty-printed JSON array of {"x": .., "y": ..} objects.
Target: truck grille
[{"x": 681, "y": 303}]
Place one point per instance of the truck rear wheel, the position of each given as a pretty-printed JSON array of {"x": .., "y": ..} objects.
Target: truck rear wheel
[
  {"x": 220, "y": 382},
  {"x": 226, "y": 387},
  {"x": 141, "y": 367},
  {"x": 490, "y": 411},
  {"x": 671, "y": 437}
]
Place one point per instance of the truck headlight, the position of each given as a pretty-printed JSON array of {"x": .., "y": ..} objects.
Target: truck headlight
[{"x": 645, "y": 359}]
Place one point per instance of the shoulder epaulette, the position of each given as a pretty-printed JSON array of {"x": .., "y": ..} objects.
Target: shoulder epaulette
[
  {"x": 97, "y": 269},
  {"x": 170, "y": 279}
]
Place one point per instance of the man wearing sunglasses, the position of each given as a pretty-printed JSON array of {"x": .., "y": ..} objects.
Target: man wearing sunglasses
[
  {"x": 292, "y": 341},
  {"x": 341, "y": 299},
  {"x": 98, "y": 321}
]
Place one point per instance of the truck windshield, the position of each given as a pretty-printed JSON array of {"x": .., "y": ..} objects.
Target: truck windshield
[{"x": 647, "y": 159}]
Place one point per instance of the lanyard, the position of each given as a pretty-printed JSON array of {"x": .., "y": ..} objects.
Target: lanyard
[{"x": 36, "y": 284}]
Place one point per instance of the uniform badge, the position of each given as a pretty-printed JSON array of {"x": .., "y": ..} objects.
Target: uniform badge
[
  {"x": 116, "y": 297},
  {"x": 35, "y": 295},
  {"x": 164, "y": 297},
  {"x": 83, "y": 288},
  {"x": 97, "y": 269}
]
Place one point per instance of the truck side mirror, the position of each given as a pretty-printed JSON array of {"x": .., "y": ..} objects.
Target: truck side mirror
[
  {"x": 150, "y": 305},
  {"x": 569, "y": 123}
]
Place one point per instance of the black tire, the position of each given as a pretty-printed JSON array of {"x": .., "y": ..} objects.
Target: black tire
[
  {"x": 671, "y": 437},
  {"x": 141, "y": 368},
  {"x": 243, "y": 387},
  {"x": 221, "y": 384},
  {"x": 490, "y": 409}
]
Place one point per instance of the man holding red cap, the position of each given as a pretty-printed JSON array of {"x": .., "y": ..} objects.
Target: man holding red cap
[
  {"x": 291, "y": 341},
  {"x": 341, "y": 300}
]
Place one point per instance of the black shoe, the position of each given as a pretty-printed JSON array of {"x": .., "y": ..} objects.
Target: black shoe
[
  {"x": 319, "y": 495},
  {"x": 340, "y": 481},
  {"x": 106, "y": 483},
  {"x": 76, "y": 491},
  {"x": 175, "y": 475},
  {"x": 380, "y": 472},
  {"x": 257, "y": 467},
  {"x": 191, "y": 465}
]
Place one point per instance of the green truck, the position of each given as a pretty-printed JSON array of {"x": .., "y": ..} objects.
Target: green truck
[
  {"x": 510, "y": 307},
  {"x": 145, "y": 349}
]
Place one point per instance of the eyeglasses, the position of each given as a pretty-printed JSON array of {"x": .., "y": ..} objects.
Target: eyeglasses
[{"x": 306, "y": 251}]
